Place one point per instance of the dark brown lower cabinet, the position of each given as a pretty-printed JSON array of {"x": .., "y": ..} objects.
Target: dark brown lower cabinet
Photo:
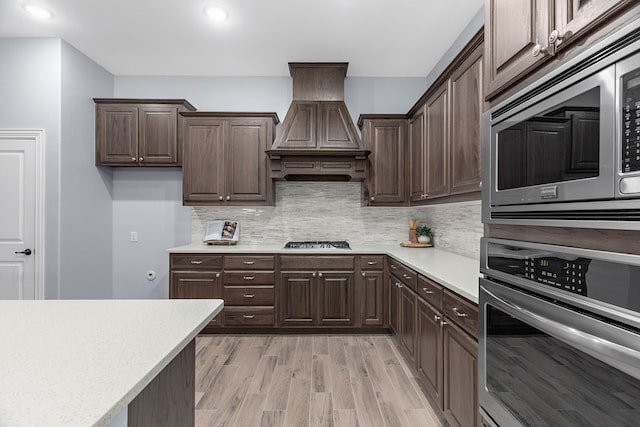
[
  {"x": 323, "y": 298},
  {"x": 460, "y": 377},
  {"x": 429, "y": 352},
  {"x": 394, "y": 305},
  {"x": 408, "y": 302},
  {"x": 197, "y": 285},
  {"x": 371, "y": 298}
]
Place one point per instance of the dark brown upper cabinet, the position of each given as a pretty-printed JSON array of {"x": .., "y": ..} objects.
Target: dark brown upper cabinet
[
  {"x": 138, "y": 132},
  {"x": 385, "y": 137},
  {"x": 467, "y": 105},
  {"x": 444, "y": 132},
  {"x": 224, "y": 158},
  {"x": 523, "y": 35}
]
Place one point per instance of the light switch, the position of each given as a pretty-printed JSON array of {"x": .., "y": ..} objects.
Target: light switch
[{"x": 134, "y": 236}]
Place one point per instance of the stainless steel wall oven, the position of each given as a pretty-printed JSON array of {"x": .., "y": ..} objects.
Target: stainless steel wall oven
[
  {"x": 559, "y": 336},
  {"x": 566, "y": 150}
]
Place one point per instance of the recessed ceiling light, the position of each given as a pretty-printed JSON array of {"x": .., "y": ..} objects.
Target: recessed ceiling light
[
  {"x": 37, "y": 12},
  {"x": 216, "y": 13}
]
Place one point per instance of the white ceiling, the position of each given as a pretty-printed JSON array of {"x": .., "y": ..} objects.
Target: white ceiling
[{"x": 383, "y": 38}]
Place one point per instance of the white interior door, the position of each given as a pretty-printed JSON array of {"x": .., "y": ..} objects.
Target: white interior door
[{"x": 20, "y": 171}]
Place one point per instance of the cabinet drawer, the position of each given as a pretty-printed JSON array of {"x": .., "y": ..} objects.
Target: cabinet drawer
[
  {"x": 430, "y": 291},
  {"x": 313, "y": 262},
  {"x": 372, "y": 262},
  {"x": 246, "y": 278},
  {"x": 405, "y": 274},
  {"x": 248, "y": 295},
  {"x": 461, "y": 312},
  {"x": 249, "y": 262},
  {"x": 249, "y": 316},
  {"x": 196, "y": 262}
]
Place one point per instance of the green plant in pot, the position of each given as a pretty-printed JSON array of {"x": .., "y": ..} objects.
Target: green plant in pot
[{"x": 425, "y": 235}]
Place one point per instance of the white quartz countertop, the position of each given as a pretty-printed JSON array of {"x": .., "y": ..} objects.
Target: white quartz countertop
[
  {"x": 455, "y": 272},
  {"x": 81, "y": 362}
]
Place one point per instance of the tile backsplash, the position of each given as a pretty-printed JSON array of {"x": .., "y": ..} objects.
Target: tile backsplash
[{"x": 332, "y": 211}]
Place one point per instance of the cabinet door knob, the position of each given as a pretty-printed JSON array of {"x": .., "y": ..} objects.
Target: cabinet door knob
[
  {"x": 363, "y": 274},
  {"x": 373, "y": 199},
  {"x": 436, "y": 318},
  {"x": 319, "y": 274},
  {"x": 220, "y": 198},
  {"x": 538, "y": 50},
  {"x": 141, "y": 159},
  {"x": 427, "y": 291},
  {"x": 459, "y": 313},
  {"x": 555, "y": 36},
  {"x": 313, "y": 274},
  {"x": 228, "y": 197},
  {"x": 133, "y": 159},
  {"x": 217, "y": 274},
  {"x": 444, "y": 322}
]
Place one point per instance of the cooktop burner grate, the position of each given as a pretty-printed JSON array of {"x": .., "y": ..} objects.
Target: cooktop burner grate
[{"x": 326, "y": 244}]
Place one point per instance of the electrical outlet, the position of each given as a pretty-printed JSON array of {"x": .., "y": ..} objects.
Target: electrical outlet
[{"x": 134, "y": 236}]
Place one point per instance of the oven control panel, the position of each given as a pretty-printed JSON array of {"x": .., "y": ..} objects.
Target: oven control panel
[
  {"x": 559, "y": 273},
  {"x": 568, "y": 275},
  {"x": 631, "y": 122}
]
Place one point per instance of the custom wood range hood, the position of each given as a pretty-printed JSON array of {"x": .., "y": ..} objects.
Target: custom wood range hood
[{"x": 318, "y": 140}]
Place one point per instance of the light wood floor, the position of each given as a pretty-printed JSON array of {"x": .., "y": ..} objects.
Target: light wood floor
[{"x": 306, "y": 380}]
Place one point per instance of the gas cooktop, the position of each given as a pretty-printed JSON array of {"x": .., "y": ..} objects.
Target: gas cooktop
[{"x": 340, "y": 244}]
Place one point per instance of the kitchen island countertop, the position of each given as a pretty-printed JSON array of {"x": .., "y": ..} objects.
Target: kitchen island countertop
[
  {"x": 81, "y": 362},
  {"x": 455, "y": 272}
]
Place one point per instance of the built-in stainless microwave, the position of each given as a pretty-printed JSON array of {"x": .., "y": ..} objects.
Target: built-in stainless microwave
[{"x": 566, "y": 150}]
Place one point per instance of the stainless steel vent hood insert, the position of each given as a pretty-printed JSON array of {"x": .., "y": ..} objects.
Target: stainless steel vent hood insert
[{"x": 317, "y": 139}]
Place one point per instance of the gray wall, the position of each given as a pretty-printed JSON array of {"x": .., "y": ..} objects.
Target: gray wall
[
  {"x": 85, "y": 190},
  {"x": 30, "y": 98},
  {"x": 47, "y": 84}
]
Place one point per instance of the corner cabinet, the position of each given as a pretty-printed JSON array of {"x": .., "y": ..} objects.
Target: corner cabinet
[
  {"x": 224, "y": 158},
  {"x": 522, "y": 35},
  {"x": 138, "y": 132},
  {"x": 385, "y": 137}
]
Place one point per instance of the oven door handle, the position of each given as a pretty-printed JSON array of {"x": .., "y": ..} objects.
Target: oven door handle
[{"x": 571, "y": 330}]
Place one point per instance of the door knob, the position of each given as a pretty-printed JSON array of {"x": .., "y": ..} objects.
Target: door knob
[{"x": 26, "y": 252}]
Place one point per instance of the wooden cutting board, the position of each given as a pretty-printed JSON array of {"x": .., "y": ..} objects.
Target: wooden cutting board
[{"x": 416, "y": 245}]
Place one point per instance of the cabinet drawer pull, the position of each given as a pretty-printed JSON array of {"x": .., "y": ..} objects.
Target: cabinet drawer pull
[
  {"x": 436, "y": 318},
  {"x": 372, "y": 262},
  {"x": 196, "y": 262},
  {"x": 248, "y": 262},
  {"x": 406, "y": 276},
  {"x": 393, "y": 267},
  {"x": 248, "y": 277},
  {"x": 248, "y": 295},
  {"x": 427, "y": 291},
  {"x": 248, "y": 316},
  {"x": 459, "y": 313}
]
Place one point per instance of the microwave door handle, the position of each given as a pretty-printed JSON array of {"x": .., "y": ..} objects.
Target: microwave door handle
[{"x": 621, "y": 357}]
